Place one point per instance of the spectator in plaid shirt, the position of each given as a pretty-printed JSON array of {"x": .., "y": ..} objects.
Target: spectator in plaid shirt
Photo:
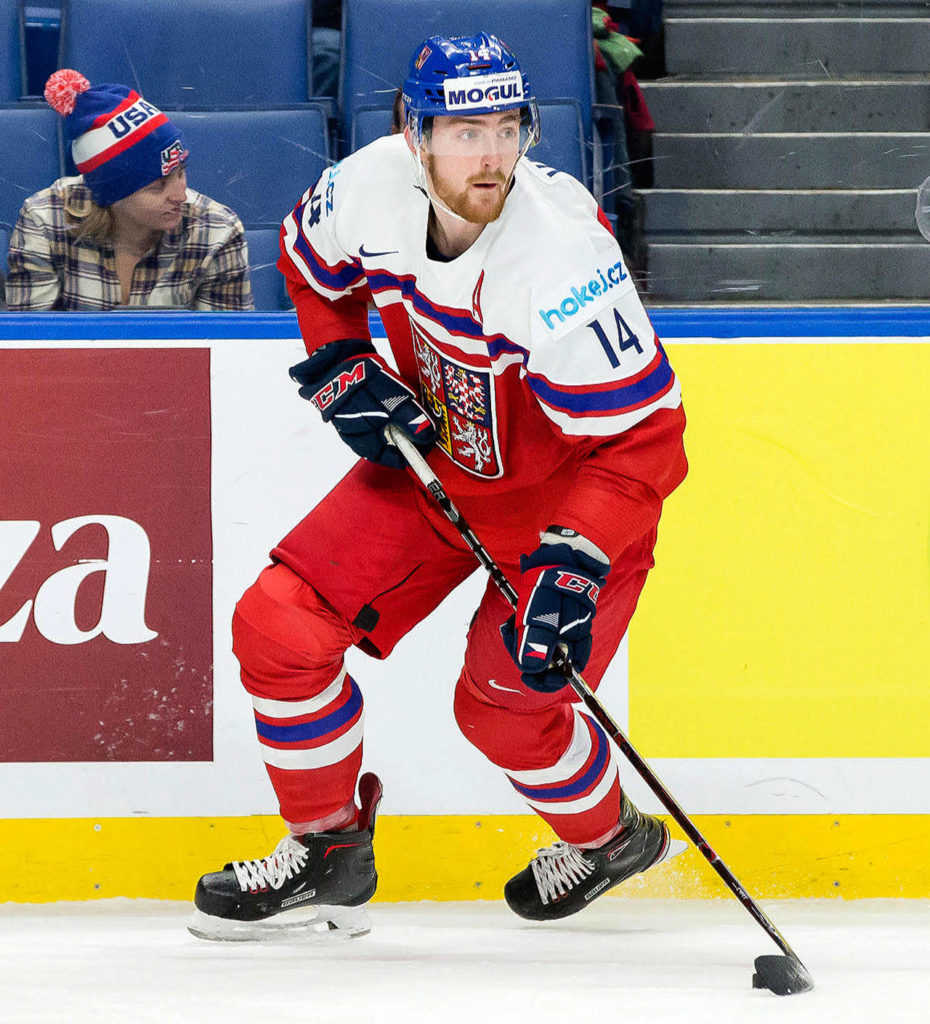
[{"x": 128, "y": 231}]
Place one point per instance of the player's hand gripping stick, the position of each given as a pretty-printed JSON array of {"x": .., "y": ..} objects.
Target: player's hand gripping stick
[
  {"x": 358, "y": 393},
  {"x": 556, "y": 603},
  {"x": 783, "y": 975}
]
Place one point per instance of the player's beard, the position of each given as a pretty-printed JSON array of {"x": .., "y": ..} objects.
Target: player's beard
[{"x": 476, "y": 207}]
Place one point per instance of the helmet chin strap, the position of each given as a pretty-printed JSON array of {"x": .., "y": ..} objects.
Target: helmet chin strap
[{"x": 424, "y": 181}]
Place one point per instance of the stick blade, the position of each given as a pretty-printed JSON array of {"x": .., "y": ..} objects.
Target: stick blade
[{"x": 783, "y": 975}]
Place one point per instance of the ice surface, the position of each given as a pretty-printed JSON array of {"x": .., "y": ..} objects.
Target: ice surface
[{"x": 624, "y": 961}]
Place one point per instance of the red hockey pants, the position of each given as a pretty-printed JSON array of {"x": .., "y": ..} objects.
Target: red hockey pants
[{"x": 365, "y": 566}]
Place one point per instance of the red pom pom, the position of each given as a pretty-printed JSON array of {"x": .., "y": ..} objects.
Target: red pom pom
[{"x": 63, "y": 88}]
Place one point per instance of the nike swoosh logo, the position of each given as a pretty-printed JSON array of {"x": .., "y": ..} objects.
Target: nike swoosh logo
[
  {"x": 497, "y": 686},
  {"x": 370, "y": 255}
]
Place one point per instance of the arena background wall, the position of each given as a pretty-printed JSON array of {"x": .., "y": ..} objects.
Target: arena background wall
[{"x": 774, "y": 676}]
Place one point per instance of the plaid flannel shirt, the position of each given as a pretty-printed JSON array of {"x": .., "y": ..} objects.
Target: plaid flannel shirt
[{"x": 203, "y": 264}]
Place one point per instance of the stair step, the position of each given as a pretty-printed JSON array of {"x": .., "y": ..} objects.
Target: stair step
[
  {"x": 813, "y": 160},
  {"x": 796, "y": 272},
  {"x": 795, "y": 9},
  {"x": 779, "y": 214},
  {"x": 798, "y": 47},
  {"x": 784, "y": 106}
]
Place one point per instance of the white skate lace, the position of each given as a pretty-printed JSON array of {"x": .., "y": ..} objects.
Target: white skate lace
[
  {"x": 559, "y": 868},
  {"x": 273, "y": 871}
]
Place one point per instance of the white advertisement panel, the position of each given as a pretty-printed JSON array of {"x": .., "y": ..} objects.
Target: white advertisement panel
[{"x": 271, "y": 460}]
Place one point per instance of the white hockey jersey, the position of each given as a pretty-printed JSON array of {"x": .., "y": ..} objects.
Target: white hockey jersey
[{"x": 531, "y": 350}]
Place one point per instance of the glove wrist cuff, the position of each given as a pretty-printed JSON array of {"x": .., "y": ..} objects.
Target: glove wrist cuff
[
  {"x": 576, "y": 541},
  {"x": 353, "y": 348}
]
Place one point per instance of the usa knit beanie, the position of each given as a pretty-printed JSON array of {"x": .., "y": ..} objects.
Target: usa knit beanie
[{"x": 119, "y": 141}]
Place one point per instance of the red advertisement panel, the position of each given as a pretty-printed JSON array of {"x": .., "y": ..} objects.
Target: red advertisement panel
[{"x": 106, "y": 642}]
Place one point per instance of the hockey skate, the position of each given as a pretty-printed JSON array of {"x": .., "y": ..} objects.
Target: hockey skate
[
  {"x": 312, "y": 884},
  {"x": 563, "y": 879}
]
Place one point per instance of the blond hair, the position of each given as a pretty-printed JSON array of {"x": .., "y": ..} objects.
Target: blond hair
[{"x": 90, "y": 221}]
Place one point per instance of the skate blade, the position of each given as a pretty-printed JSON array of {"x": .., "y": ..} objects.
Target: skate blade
[
  {"x": 675, "y": 846},
  {"x": 319, "y": 922}
]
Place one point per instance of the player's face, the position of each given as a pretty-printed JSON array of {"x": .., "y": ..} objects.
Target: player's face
[
  {"x": 469, "y": 161},
  {"x": 157, "y": 206}
]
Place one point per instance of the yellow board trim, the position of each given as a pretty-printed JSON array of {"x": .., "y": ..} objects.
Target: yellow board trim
[
  {"x": 787, "y": 613},
  {"x": 467, "y": 858}
]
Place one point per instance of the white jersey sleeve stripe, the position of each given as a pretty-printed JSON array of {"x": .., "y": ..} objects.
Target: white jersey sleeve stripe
[
  {"x": 336, "y": 278},
  {"x": 612, "y": 399}
]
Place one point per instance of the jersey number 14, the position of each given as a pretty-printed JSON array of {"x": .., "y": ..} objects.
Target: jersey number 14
[{"x": 625, "y": 338}]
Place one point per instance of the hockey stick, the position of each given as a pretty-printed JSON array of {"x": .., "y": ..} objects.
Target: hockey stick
[{"x": 783, "y": 975}]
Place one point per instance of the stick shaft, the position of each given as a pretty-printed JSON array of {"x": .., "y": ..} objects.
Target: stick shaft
[{"x": 432, "y": 484}]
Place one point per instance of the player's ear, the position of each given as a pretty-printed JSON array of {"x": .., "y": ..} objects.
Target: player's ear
[{"x": 409, "y": 137}]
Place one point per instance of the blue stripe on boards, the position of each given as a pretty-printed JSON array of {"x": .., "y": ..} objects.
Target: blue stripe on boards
[{"x": 724, "y": 323}]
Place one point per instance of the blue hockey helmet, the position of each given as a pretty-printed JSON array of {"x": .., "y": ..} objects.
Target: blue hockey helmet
[{"x": 467, "y": 75}]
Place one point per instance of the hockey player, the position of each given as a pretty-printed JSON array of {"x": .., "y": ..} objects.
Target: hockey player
[{"x": 529, "y": 371}]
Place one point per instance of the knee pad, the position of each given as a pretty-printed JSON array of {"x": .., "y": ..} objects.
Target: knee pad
[
  {"x": 512, "y": 739},
  {"x": 284, "y": 631},
  {"x": 473, "y": 715}
]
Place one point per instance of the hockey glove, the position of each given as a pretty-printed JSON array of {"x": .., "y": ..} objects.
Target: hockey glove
[
  {"x": 358, "y": 393},
  {"x": 557, "y": 598}
]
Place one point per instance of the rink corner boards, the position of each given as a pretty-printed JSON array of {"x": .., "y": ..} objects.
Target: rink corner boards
[
  {"x": 435, "y": 857},
  {"x": 841, "y": 481}
]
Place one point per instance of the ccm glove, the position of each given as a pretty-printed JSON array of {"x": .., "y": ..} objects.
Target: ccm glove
[
  {"x": 358, "y": 393},
  {"x": 557, "y": 598}
]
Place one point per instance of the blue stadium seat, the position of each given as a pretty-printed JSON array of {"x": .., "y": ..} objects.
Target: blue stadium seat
[
  {"x": 268, "y": 287},
  {"x": 258, "y": 162},
  {"x": 193, "y": 53},
  {"x": 30, "y": 154},
  {"x": 551, "y": 38},
  {"x": 562, "y": 143},
  {"x": 5, "y": 232},
  {"x": 12, "y": 85},
  {"x": 41, "y": 24},
  {"x": 368, "y": 124}
]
